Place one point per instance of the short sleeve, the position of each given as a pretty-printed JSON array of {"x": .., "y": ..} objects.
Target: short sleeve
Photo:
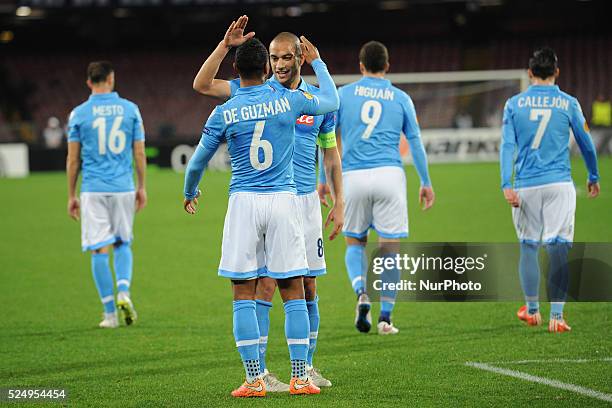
[
  {"x": 213, "y": 132},
  {"x": 74, "y": 130},
  {"x": 139, "y": 133}
]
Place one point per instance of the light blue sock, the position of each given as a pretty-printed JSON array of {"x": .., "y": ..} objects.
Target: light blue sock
[
  {"x": 314, "y": 318},
  {"x": 355, "y": 266},
  {"x": 122, "y": 260},
  {"x": 529, "y": 271},
  {"x": 246, "y": 334},
  {"x": 297, "y": 328},
  {"x": 103, "y": 278},
  {"x": 387, "y": 297},
  {"x": 558, "y": 277},
  {"x": 262, "y": 309}
]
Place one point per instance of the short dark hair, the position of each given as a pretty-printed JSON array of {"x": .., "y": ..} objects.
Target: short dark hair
[
  {"x": 374, "y": 56},
  {"x": 543, "y": 63},
  {"x": 251, "y": 59},
  {"x": 98, "y": 71}
]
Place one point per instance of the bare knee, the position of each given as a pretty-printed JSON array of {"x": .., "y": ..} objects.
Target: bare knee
[
  {"x": 291, "y": 289},
  {"x": 244, "y": 289},
  {"x": 310, "y": 288},
  {"x": 265, "y": 289}
]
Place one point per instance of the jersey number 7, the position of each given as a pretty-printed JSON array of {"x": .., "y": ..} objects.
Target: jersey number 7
[{"x": 536, "y": 114}]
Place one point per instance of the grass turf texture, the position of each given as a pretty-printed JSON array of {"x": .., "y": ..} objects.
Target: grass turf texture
[{"x": 181, "y": 352}]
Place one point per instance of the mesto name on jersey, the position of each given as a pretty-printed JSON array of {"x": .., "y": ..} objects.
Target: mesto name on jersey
[
  {"x": 374, "y": 93},
  {"x": 257, "y": 111},
  {"x": 107, "y": 110},
  {"x": 543, "y": 102}
]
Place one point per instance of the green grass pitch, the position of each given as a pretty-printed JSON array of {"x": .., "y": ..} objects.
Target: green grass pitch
[{"x": 181, "y": 351}]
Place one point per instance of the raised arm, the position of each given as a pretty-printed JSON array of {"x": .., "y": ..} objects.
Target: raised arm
[
  {"x": 587, "y": 149},
  {"x": 328, "y": 100},
  {"x": 205, "y": 81}
]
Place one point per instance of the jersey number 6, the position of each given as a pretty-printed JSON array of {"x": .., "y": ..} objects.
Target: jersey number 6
[{"x": 258, "y": 143}]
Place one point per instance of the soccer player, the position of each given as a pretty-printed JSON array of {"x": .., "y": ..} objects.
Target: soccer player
[
  {"x": 104, "y": 133},
  {"x": 263, "y": 232},
  {"x": 536, "y": 126},
  {"x": 372, "y": 115},
  {"x": 286, "y": 60}
]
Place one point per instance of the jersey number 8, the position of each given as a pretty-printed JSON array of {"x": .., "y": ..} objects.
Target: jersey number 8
[
  {"x": 116, "y": 138},
  {"x": 258, "y": 143}
]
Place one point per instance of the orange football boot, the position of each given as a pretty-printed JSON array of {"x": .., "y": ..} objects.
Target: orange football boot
[
  {"x": 247, "y": 390},
  {"x": 558, "y": 326},
  {"x": 531, "y": 319},
  {"x": 300, "y": 387}
]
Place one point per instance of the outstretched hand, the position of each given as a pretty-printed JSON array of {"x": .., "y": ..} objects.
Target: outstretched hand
[
  {"x": 234, "y": 36},
  {"x": 309, "y": 51}
]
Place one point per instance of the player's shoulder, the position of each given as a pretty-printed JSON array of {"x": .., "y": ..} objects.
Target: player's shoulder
[
  {"x": 79, "y": 110},
  {"x": 402, "y": 95},
  {"x": 571, "y": 97},
  {"x": 511, "y": 101},
  {"x": 128, "y": 103}
]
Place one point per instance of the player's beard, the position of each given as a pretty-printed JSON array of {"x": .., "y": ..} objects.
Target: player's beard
[{"x": 288, "y": 76}]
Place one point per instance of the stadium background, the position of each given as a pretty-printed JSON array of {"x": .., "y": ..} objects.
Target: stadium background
[{"x": 181, "y": 352}]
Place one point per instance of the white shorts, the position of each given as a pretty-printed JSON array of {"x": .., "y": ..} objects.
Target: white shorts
[
  {"x": 313, "y": 233},
  {"x": 106, "y": 218},
  {"x": 375, "y": 198},
  {"x": 263, "y": 236},
  {"x": 546, "y": 213}
]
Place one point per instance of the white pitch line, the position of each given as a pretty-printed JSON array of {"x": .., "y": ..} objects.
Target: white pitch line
[
  {"x": 542, "y": 380},
  {"x": 556, "y": 360}
]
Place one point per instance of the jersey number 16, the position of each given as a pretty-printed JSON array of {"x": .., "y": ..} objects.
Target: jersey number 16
[{"x": 116, "y": 137}]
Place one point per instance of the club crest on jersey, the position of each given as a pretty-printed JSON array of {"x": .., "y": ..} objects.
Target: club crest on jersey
[
  {"x": 307, "y": 95},
  {"x": 305, "y": 120}
]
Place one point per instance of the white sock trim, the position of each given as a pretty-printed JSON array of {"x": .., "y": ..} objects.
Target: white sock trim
[
  {"x": 357, "y": 279},
  {"x": 314, "y": 334},
  {"x": 263, "y": 339},
  {"x": 107, "y": 299},
  {"x": 298, "y": 341},
  {"x": 123, "y": 282},
  {"x": 242, "y": 343}
]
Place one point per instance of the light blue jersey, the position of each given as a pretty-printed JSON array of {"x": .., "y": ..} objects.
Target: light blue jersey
[
  {"x": 106, "y": 126},
  {"x": 309, "y": 131},
  {"x": 258, "y": 124},
  {"x": 536, "y": 126},
  {"x": 372, "y": 115}
]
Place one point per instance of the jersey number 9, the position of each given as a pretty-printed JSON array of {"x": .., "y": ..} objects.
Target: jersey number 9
[
  {"x": 116, "y": 137},
  {"x": 371, "y": 112}
]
